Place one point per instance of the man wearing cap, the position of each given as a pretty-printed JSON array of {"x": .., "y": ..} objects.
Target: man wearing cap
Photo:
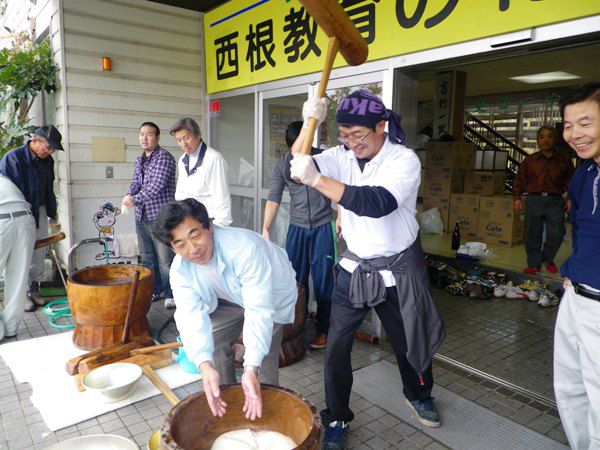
[
  {"x": 31, "y": 168},
  {"x": 375, "y": 179}
]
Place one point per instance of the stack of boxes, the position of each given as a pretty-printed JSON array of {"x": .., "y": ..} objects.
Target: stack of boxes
[
  {"x": 446, "y": 164},
  {"x": 475, "y": 199}
]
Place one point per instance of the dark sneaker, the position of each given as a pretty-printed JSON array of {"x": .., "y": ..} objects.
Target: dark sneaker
[
  {"x": 156, "y": 297},
  {"x": 335, "y": 435},
  {"x": 425, "y": 411}
]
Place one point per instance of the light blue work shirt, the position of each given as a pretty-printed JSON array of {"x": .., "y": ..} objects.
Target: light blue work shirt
[{"x": 258, "y": 277}]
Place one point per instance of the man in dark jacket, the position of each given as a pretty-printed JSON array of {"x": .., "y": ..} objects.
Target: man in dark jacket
[
  {"x": 310, "y": 240},
  {"x": 31, "y": 168}
]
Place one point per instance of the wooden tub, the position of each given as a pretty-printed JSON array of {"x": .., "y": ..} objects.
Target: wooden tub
[
  {"x": 98, "y": 298},
  {"x": 191, "y": 426}
]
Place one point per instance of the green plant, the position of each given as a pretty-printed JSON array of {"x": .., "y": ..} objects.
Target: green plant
[{"x": 26, "y": 69}]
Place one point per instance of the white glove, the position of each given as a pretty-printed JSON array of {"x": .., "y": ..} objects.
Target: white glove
[
  {"x": 303, "y": 168},
  {"x": 316, "y": 108}
]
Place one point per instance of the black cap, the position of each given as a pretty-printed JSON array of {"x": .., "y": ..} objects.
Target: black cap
[{"x": 52, "y": 135}]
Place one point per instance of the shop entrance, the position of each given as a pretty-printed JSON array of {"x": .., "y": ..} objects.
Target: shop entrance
[{"x": 507, "y": 100}]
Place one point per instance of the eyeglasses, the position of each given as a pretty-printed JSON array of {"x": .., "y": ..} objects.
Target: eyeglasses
[{"x": 354, "y": 137}]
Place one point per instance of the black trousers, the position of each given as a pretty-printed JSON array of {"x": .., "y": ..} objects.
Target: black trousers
[
  {"x": 539, "y": 211},
  {"x": 345, "y": 320}
]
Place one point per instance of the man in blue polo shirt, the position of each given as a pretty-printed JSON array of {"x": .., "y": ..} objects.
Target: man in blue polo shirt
[
  {"x": 577, "y": 333},
  {"x": 31, "y": 168}
]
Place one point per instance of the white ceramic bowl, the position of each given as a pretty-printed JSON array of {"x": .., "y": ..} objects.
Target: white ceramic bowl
[
  {"x": 113, "y": 382},
  {"x": 95, "y": 442}
]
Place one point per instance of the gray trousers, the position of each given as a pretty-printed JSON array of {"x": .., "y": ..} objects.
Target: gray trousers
[
  {"x": 539, "y": 211},
  {"x": 227, "y": 324},
  {"x": 17, "y": 237},
  {"x": 36, "y": 269}
]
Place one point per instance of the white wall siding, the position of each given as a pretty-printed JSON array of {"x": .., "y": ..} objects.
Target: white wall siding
[{"x": 157, "y": 75}]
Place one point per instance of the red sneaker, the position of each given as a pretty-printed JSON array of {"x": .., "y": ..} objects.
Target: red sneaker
[
  {"x": 551, "y": 267},
  {"x": 320, "y": 341},
  {"x": 531, "y": 270}
]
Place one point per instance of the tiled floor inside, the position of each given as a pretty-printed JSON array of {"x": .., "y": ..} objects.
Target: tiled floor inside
[
  {"x": 506, "y": 331},
  {"x": 511, "y": 339}
]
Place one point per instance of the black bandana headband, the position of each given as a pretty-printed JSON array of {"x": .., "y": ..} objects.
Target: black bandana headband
[{"x": 363, "y": 108}]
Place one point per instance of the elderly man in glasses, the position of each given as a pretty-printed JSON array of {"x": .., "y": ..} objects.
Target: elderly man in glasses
[
  {"x": 375, "y": 179},
  {"x": 31, "y": 168}
]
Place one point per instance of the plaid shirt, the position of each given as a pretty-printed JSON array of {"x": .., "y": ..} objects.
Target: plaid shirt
[{"x": 153, "y": 183}]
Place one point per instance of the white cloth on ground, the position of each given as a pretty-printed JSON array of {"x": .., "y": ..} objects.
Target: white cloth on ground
[{"x": 54, "y": 391}]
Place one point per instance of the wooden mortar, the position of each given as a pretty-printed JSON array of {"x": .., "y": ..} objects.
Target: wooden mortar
[{"x": 190, "y": 425}]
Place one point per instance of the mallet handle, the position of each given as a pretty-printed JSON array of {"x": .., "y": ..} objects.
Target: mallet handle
[{"x": 332, "y": 49}]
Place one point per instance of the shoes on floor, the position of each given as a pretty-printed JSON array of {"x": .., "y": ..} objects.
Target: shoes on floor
[
  {"x": 169, "y": 303},
  {"x": 480, "y": 291},
  {"x": 500, "y": 290},
  {"x": 531, "y": 270},
  {"x": 551, "y": 267},
  {"x": 534, "y": 294},
  {"x": 426, "y": 412},
  {"x": 458, "y": 288},
  {"x": 335, "y": 435},
  {"x": 320, "y": 341},
  {"x": 156, "y": 297},
  {"x": 548, "y": 299},
  {"x": 515, "y": 292},
  {"x": 529, "y": 285}
]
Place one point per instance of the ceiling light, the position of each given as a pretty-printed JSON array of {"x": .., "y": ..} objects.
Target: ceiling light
[{"x": 545, "y": 77}]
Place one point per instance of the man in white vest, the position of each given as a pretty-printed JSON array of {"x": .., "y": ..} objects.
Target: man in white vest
[{"x": 202, "y": 172}]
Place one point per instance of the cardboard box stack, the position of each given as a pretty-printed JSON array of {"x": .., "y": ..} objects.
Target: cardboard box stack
[
  {"x": 465, "y": 209},
  {"x": 446, "y": 164},
  {"x": 499, "y": 224},
  {"x": 485, "y": 183}
]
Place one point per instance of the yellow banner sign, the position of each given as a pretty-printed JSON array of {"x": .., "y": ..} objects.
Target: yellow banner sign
[{"x": 253, "y": 41}]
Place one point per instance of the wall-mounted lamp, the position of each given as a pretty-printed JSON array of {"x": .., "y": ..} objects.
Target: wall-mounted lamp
[{"x": 106, "y": 63}]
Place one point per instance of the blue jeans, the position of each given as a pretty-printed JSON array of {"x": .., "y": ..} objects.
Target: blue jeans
[
  {"x": 311, "y": 251},
  {"x": 156, "y": 256}
]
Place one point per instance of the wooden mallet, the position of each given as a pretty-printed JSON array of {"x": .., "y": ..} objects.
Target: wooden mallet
[{"x": 343, "y": 37}]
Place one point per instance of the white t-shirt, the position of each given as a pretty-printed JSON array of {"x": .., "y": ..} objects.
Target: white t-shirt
[
  {"x": 211, "y": 274},
  {"x": 395, "y": 168}
]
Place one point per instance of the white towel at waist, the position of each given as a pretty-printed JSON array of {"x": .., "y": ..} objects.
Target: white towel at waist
[{"x": 126, "y": 245}]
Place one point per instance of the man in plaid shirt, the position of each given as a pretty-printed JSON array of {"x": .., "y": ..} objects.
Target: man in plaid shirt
[{"x": 153, "y": 185}]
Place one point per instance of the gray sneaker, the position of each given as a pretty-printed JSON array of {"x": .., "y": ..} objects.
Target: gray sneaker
[
  {"x": 425, "y": 411},
  {"x": 169, "y": 303}
]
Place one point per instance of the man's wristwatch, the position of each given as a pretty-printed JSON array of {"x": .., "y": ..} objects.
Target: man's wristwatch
[{"x": 251, "y": 369}]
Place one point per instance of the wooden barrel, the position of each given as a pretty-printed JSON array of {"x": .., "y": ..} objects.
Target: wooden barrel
[
  {"x": 98, "y": 298},
  {"x": 190, "y": 425},
  {"x": 292, "y": 349}
]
